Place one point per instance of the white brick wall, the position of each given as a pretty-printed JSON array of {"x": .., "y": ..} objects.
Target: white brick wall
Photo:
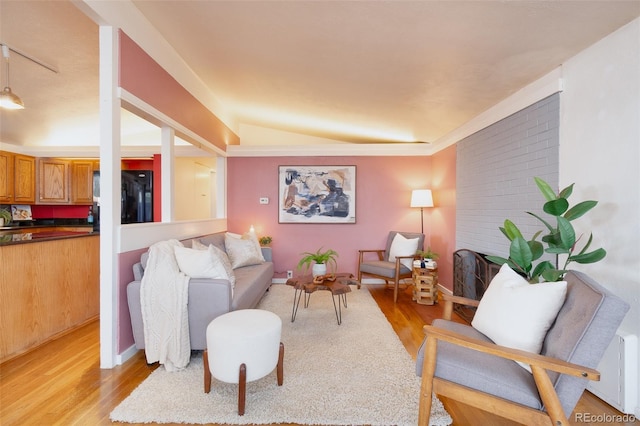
[{"x": 495, "y": 170}]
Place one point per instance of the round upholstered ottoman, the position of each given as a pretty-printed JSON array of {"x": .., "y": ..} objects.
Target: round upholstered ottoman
[{"x": 243, "y": 346}]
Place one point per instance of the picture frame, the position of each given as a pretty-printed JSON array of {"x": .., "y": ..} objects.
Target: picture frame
[
  {"x": 20, "y": 212},
  {"x": 317, "y": 194}
]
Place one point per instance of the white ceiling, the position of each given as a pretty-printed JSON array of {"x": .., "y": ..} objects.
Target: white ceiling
[{"x": 353, "y": 71}]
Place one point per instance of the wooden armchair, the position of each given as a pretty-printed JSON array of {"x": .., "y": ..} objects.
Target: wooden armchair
[
  {"x": 379, "y": 266},
  {"x": 460, "y": 363}
]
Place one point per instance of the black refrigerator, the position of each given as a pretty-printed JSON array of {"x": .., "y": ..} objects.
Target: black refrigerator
[{"x": 136, "y": 196}]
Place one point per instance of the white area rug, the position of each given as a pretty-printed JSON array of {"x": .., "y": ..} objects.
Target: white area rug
[{"x": 356, "y": 373}]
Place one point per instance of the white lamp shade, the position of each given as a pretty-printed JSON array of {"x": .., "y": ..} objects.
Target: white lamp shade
[{"x": 421, "y": 198}]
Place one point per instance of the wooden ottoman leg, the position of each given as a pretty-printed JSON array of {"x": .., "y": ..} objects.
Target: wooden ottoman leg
[
  {"x": 280, "y": 368},
  {"x": 207, "y": 372},
  {"x": 242, "y": 388}
]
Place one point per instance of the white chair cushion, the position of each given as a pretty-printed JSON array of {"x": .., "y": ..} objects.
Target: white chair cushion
[{"x": 517, "y": 314}]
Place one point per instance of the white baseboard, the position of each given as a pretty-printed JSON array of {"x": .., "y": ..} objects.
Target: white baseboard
[{"x": 126, "y": 355}]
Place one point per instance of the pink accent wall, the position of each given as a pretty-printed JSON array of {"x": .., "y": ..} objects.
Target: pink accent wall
[
  {"x": 125, "y": 276},
  {"x": 383, "y": 194},
  {"x": 143, "y": 77},
  {"x": 443, "y": 215}
]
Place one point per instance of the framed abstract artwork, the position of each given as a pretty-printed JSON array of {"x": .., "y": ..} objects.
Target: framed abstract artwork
[{"x": 317, "y": 194}]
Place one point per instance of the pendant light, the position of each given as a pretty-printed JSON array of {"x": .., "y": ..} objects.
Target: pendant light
[{"x": 8, "y": 99}]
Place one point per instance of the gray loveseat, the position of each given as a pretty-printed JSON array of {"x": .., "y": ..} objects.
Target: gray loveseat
[
  {"x": 208, "y": 298},
  {"x": 469, "y": 368}
]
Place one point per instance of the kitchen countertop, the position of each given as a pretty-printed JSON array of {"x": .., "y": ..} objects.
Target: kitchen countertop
[{"x": 19, "y": 235}]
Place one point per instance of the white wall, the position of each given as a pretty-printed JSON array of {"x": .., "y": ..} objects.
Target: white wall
[
  {"x": 193, "y": 177},
  {"x": 600, "y": 152}
]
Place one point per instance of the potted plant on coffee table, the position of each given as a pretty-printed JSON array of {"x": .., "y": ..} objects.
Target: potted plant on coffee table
[{"x": 320, "y": 260}]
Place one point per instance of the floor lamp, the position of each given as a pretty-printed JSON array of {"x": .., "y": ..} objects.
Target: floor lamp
[{"x": 421, "y": 198}]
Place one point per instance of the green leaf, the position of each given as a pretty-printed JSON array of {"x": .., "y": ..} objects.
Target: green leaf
[
  {"x": 548, "y": 193},
  {"x": 547, "y": 224},
  {"x": 520, "y": 253},
  {"x": 537, "y": 249},
  {"x": 511, "y": 230},
  {"x": 579, "y": 209},
  {"x": 540, "y": 268},
  {"x": 497, "y": 259},
  {"x": 519, "y": 269},
  {"x": 556, "y": 207},
  {"x": 591, "y": 257},
  {"x": 567, "y": 233},
  {"x": 557, "y": 250},
  {"x": 553, "y": 240},
  {"x": 553, "y": 275},
  {"x": 586, "y": 246},
  {"x": 566, "y": 193}
]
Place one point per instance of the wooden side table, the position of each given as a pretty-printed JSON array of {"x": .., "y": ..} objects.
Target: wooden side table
[{"x": 425, "y": 289}]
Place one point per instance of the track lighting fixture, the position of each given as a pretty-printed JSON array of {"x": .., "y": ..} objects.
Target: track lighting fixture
[{"x": 8, "y": 99}]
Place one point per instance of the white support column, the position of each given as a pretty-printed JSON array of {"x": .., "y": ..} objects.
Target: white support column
[
  {"x": 109, "y": 194},
  {"x": 221, "y": 187},
  {"x": 168, "y": 193}
]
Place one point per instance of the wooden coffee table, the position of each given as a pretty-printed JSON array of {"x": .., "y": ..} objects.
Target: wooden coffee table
[{"x": 338, "y": 288}]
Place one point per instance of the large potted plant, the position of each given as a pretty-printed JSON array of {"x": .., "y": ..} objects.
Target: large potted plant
[
  {"x": 320, "y": 260},
  {"x": 560, "y": 239}
]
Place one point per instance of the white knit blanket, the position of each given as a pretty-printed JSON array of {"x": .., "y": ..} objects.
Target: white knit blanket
[{"x": 164, "y": 293}]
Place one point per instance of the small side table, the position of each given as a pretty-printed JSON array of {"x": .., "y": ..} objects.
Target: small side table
[{"x": 425, "y": 289}]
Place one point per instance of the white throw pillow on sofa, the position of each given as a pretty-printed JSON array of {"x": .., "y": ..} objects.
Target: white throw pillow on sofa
[
  {"x": 222, "y": 257},
  {"x": 401, "y": 246},
  {"x": 242, "y": 251},
  {"x": 199, "y": 263},
  {"x": 197, "y": 245},
  {"x": 517, "y": 314}
]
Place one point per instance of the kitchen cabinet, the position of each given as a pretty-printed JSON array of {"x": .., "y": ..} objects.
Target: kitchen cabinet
[
  {"x": 6, "y": 177},
  {"x": 25, "y": 179},
  {"x": 17, "y": 178},
  {"x": 53, "y": 181},
  {"x": 47, "y": 288},
  {"x": 82, "y": 181}
]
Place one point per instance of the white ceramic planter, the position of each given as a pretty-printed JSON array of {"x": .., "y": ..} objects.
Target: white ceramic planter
[{"x": 319, "y": 269}]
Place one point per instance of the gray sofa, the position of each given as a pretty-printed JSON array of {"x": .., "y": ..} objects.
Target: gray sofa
[{"x": 208, "y": 298}]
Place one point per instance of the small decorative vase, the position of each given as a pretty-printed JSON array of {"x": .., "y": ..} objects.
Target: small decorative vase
[
  {"x": 1, "y": 222},
  {"x": 319, "y": 269}
]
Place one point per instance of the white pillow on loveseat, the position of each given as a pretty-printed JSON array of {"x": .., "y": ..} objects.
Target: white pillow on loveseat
[
  {"x": 402, "y": 246},
  {"x": 517, "y": 314}
]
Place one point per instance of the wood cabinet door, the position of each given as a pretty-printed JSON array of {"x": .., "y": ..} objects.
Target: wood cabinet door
[
  {"x": 25, "y": 179},
  {"x": 53, "y": 181},
  {"x": 6, "y": 177},
  {"x": 82, "y": 182}
]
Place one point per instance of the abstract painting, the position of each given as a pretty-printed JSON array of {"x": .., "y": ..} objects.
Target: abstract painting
[{"x": 317, "y": 194}]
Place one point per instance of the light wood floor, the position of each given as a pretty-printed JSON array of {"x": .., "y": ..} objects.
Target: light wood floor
[{"x": 61, "y": 382}]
